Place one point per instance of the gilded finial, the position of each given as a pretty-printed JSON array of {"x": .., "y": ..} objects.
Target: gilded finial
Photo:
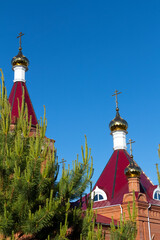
[
  {"x": 130, "y": 143},
  {"x": 115, "y": 94},
  {"x": 132, "y": 170},
  {"x": 20, "y": 41},
  {"x": 118, "y": 123},
  {"x": 20, "y": 59}
]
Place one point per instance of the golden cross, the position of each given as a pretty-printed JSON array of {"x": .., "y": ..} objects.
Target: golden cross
[
  {"x": 130, "y": 143},
  {"x": 63, "y": 162},
  {"x": 20, "y": 35},
  {"x": 116, "y": 93}
]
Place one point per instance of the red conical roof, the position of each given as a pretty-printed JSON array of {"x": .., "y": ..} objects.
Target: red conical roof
[
  {"x": 114, "y": 182},
  {"x": 16, "y": 96}
]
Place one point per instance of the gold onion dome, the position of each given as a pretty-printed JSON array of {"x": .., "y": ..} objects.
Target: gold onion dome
[
  {"x": 132, "y": 170},
  {"x": 20, "y": 60},
  {"x": 118, "y": 123}
]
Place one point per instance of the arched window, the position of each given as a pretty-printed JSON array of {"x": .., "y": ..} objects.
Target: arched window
[
  {"x": 156, "y": 193},
  {"x": 98, "y": 195}
]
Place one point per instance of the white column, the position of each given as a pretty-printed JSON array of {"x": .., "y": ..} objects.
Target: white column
[
  {"x": 19, "y": 73},
  {"x": 119, "y": 140}
]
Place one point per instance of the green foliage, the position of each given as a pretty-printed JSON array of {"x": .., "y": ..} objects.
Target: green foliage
[
  {"x": 126, "y": 229},
  {"x": 33, "y": 202},
  {"x": 89, "y": 229}
]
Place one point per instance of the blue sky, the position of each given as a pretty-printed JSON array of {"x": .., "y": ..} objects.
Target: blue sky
[{"x": 80, "y": 52}]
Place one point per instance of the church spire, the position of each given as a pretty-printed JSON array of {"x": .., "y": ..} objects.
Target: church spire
[
  {"x": 20, "y": 66},
  {"x": 118, "y": 127}
]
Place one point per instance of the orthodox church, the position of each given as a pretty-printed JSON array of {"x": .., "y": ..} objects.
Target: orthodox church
[
  {"x": 120, "y": 177},
  {"x": 114, "y": 188}
]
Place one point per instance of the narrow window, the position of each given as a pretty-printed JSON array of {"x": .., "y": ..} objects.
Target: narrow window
[
  {"x": 155, "y": 195},
  {"x": 96, "y": 198},
  {"x": 100, "y": 197}
]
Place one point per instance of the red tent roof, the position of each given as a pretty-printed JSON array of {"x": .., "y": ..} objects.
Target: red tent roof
[
  {"x": 15, "y": 96},
  {"x": 114, "y": 182}
]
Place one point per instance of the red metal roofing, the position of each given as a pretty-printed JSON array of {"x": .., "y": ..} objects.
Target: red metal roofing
[
  {"x": 114, "y": 182},
  {"x": 15, "y": 96}
]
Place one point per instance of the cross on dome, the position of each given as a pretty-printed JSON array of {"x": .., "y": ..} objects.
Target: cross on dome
[
  {"x": 115, "y": 94},
  {"x": 63, "y": 163},
  {"x": 130, "y": 143},
  {"x": 118, "y": 127},
  {"x": 20, "y": 41},
  {"x": 20, "y": 59}
]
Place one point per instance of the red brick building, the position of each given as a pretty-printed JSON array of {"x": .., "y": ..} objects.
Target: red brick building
[{"x": 114, "y": 188}]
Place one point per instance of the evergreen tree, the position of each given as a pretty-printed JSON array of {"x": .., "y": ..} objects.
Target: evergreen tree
[
  {"x": 126, "y": 229},
  {"x": 34, "y": 204}
]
